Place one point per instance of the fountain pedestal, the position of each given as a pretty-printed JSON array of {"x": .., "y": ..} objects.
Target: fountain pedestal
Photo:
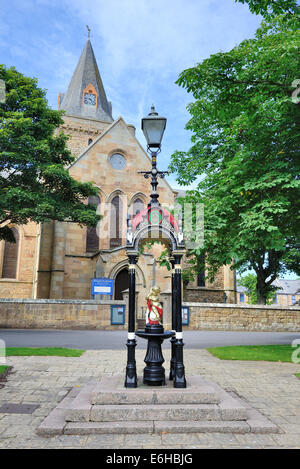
[{"x": 154, "y": 372}]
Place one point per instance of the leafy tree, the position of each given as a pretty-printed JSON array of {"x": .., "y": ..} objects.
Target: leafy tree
[
  {"x": 246, "y": 150},
  {"x": 269, "y": 8},
  {"x": 249, "y": 281},
  {"x": 34, "y": 181}
]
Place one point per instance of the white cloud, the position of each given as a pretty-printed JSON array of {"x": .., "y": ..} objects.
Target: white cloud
[
  {"x": 141, "y": 47},
  {"x": 163, "y": 35}
]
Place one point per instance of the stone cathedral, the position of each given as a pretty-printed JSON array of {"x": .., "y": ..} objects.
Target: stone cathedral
[{"x": 59, "y": 259}]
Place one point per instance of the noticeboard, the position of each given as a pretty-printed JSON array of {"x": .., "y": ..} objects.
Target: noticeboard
[
  {"x": 117, "y": 314},
  {"x": 102, "y": 286},
  {"x": 185, "y": 315}
]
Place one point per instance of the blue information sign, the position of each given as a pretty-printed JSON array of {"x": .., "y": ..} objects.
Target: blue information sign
[{"x": 102, "y": 286}]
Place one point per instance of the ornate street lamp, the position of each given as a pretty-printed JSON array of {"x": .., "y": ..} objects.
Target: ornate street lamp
[{"x": 153, "y": 127}]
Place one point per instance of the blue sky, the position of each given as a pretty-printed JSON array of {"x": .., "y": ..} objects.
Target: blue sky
[{"x": 141, "y": 47}]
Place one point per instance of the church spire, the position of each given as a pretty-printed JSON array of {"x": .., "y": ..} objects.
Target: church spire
[{"x": 86, "y": 95}]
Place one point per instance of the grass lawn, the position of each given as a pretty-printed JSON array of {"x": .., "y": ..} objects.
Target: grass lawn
[
  {"x": 2, "y": 369},
  {"x": 298, "y": 375},
  {"x": 48, "y": 351},
  {"x": 270, "y": 353}
]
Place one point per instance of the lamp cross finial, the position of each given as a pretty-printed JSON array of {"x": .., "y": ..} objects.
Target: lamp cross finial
[{"x": 89, "y": 31}]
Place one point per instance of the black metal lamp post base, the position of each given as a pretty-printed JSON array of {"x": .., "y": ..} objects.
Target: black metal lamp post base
[
  {"x": 179, "y": 380},
  {"x": 154, "y": 372},
  {"x": 173, "y": 359},
  {"x": 130, "y": 377}
]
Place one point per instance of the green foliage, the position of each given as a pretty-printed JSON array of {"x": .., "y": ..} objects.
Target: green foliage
[
  {"x": 269, "y": 8},
  {"x": 34, "y": 182},
  {"x": 246, "y": 148},
  {"x": 188, "y": 273},
  {"x": 163, "y": 258},
  {"x": 249, "y": 281}
]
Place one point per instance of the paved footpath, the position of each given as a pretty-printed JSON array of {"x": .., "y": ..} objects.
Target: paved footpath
[{"x": 272, "y": 388}]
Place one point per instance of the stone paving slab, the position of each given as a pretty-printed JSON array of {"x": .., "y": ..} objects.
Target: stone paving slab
[
  {"x": 111, "y": 391},
  {"x": 269, "y": 387},
  {"x": 257, "y": 422}
]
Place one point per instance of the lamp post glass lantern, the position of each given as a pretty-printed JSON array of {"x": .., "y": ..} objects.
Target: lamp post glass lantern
[{"x": 153, "y": 127}]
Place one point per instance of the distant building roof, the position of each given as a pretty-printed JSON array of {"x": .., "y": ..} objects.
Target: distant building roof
[
  {"x": 284, "y": 287},
  {"x": 240, "y": 289},
  {"x": 180, "y": 193},
  {"x": 289, "y": 287}
]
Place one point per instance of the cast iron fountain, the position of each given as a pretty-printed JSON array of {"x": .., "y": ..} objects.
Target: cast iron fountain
[{"x": 154, "y": 372}]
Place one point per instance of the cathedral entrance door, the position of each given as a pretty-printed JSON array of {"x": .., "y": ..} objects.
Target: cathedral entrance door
[{"x": 121, "y": 284}]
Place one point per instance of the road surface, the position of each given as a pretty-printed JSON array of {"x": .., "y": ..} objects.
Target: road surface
[{"x": 116, "y": 340}]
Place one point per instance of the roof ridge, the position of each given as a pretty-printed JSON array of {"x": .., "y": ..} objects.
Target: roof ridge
[{"x": 97, "y": 139}]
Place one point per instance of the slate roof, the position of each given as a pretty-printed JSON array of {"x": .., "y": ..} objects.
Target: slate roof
[
  {"x": 288, "y": 287},
  {"x": 240, "y": 288},
  {"x": 85, "y": 73}
]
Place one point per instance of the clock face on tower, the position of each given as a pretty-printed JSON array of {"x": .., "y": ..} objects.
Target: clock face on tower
[
  {"x": 117, "y": 161},
  {"x": 90, "y": 99}
]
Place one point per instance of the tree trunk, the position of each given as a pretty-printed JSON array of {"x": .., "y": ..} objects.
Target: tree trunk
[
  {"x": 261, "y": 299},
  {"x": 261, "y": 288}
]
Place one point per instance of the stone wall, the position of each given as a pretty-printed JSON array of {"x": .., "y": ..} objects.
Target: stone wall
[
  {"x": 230, "y": 317},
  {"x": 96, "y": 314},
  {"x": 23, "y": 285},
  {"x": 203, "y": 295},
  {"x": 80, "y": 131},
  {"x": 58, "y": 314}
]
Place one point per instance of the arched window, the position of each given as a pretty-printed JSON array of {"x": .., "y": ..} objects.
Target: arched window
[
  {"x": 121, "y": 284},
  {"x": 92, "y": 238},
  {"x": 90, "y": 141},
  {"x": 138, "y": 206},
  {"x": 10, "y": 257},
  {"x": 116, "y": 222},
  {"x": 201, "y": 271}
]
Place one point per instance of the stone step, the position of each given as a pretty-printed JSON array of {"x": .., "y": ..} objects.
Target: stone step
[
  {"x": 112, "y": 413},
  {"x": 221, "y": 406},
  {"x": 136, "y": 427},
  {"x": 180, "y": 412},
  {"x": 112, "y": 391},
  {"x": 231, "y": 414},
  {"x": 88, "y": 428}
]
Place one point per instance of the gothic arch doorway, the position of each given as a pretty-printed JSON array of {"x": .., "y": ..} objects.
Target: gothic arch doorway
[{"x": 121, "y": 283}]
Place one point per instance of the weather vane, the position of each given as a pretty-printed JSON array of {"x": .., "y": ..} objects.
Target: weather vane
[{"x": 89, "y": 31}]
